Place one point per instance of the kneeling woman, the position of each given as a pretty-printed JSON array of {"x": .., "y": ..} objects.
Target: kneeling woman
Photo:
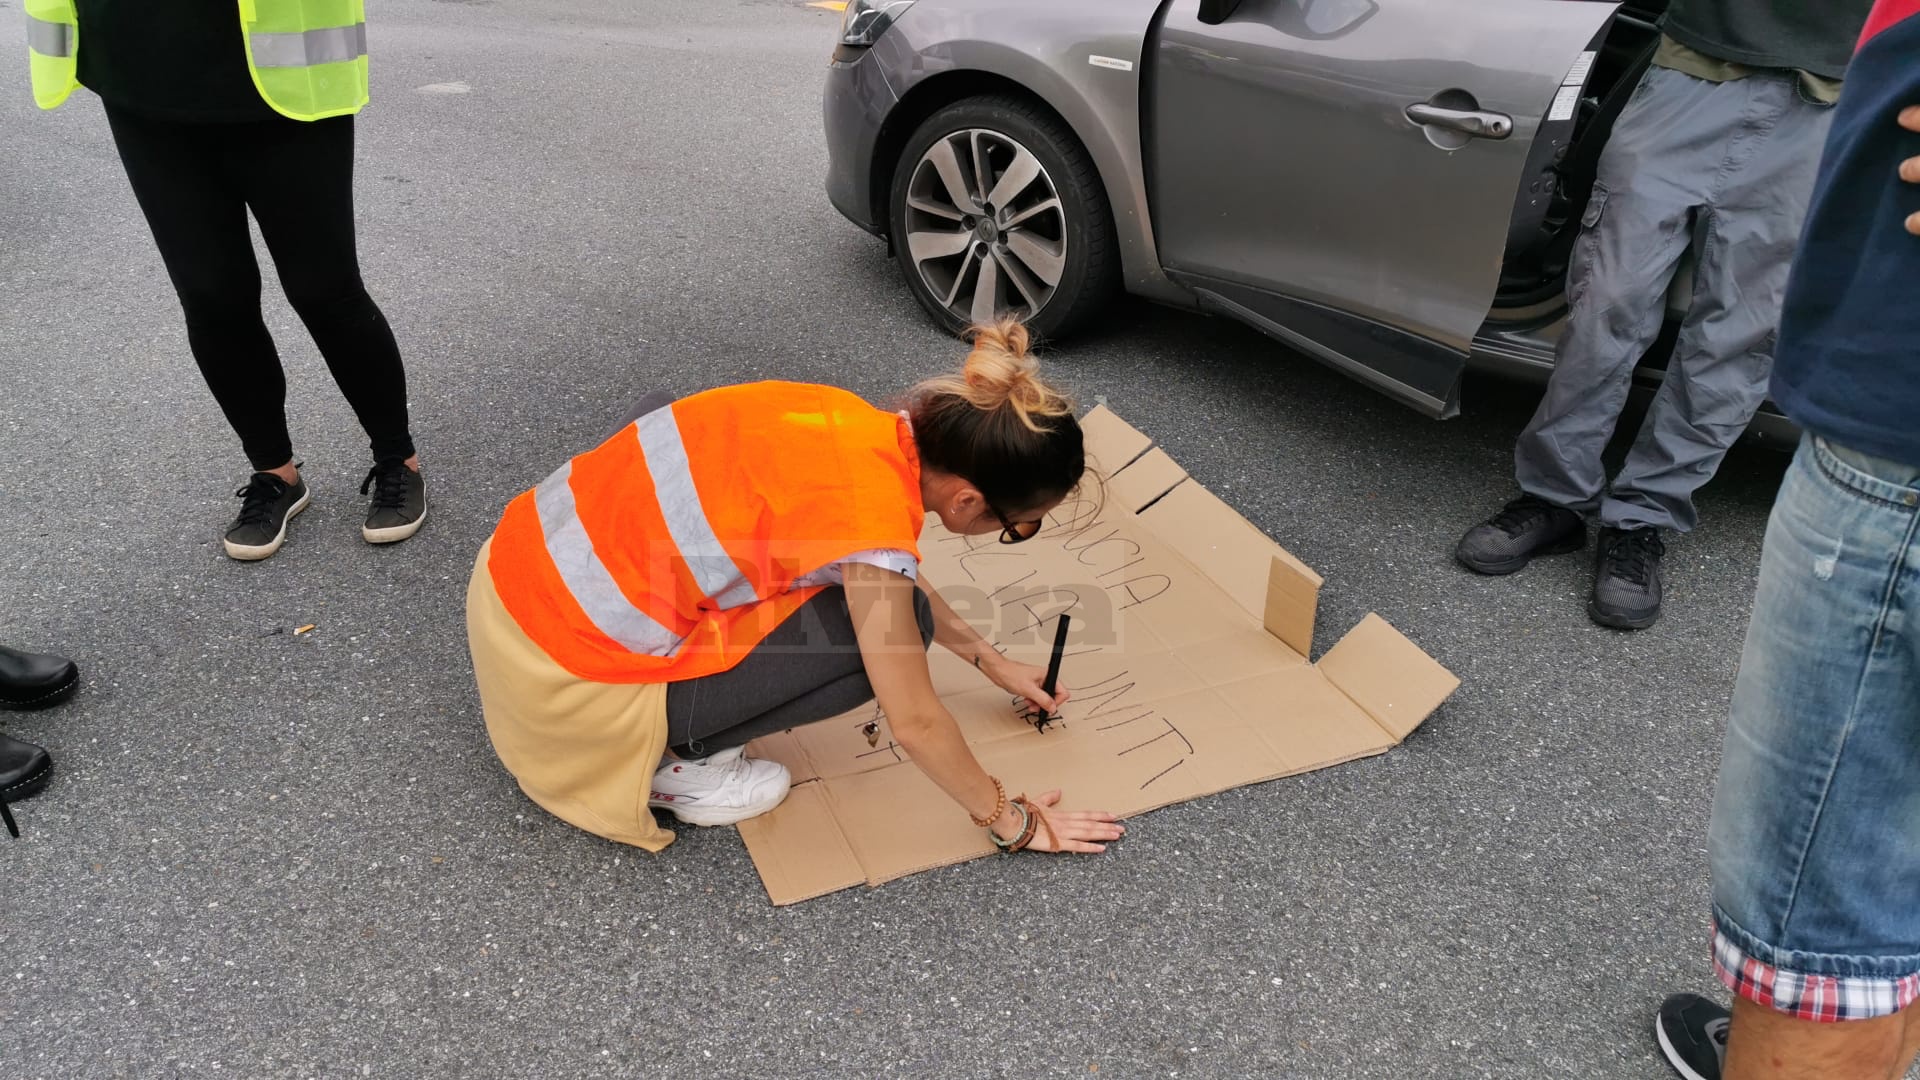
[{"x": 744, "y": 561}]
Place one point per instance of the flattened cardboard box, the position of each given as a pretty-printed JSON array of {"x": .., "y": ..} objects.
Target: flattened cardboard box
[{"x": 1187, "y": 659}]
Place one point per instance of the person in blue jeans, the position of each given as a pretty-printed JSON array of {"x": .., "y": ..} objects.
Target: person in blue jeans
[{"x": 1814, "y": 842}]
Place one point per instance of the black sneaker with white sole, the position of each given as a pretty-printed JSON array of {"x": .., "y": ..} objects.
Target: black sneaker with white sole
[
  {"x": 1523, "y": 529},
  {"x": 267, "y": 504},
  {"x": 399, "y": 502},
  {"x": 1693, "y": 1035}
]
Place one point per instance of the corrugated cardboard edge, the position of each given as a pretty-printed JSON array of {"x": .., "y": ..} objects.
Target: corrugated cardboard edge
[
  {"x": 1393, "y": 680},
  {"x": 1293, "y": 602},
  {"x": 793, "y": 872},
  {"x": 921, "y": 868},
  {"x": 1111, "y": 442}
]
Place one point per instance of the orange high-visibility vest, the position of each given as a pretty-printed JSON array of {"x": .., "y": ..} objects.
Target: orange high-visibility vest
[{"x": 669, "y": 551}]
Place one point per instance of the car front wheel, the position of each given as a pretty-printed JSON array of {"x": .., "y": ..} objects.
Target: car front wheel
[{"x": 997, "y": 211}]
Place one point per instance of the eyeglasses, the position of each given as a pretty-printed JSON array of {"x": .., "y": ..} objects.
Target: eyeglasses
[{"x": 1011, "y": 533}]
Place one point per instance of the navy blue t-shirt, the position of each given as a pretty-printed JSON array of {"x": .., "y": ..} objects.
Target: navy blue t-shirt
[{"x": 1847, "y": 365}]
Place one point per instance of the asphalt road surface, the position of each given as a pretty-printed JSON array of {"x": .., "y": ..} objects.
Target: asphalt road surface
[{"x": 268, "y": 855}]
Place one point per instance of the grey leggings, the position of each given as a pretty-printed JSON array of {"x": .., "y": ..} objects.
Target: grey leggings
[{"x": 807, "y": 670}]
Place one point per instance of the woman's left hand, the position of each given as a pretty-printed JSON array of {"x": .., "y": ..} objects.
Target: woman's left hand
[
  {"x": 1024, "y": 680},
  {"x": 1085, "y": 832}
]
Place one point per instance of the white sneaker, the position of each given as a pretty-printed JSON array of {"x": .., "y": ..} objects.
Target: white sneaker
[{"x": 719, "y": 789}]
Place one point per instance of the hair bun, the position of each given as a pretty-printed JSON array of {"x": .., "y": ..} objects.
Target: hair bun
[
  {"x": 1000, "y": 373},
  {"x": 1008, "y": 336}
]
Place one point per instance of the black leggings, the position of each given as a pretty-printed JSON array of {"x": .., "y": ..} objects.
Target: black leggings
[
  {"x": 196, "y": 183},
  {"x": 809, "y": 669}
]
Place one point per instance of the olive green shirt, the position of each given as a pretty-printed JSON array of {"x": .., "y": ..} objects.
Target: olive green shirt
[{"x": 1672, "y": 54}]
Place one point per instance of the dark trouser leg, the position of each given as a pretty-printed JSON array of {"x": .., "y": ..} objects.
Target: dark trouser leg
[
  {"x": 298, "y": 179},
  {"x": 807, "y": 670},
  {"x": 197, "y": 211},
  {"x": 1665, "y": 150},
  {"x": 1718, "y": 375}
]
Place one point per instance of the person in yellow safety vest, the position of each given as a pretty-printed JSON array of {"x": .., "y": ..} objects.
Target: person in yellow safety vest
[
  {"x": 218, "y": 109},
  {"x": 744, "y": 561}
]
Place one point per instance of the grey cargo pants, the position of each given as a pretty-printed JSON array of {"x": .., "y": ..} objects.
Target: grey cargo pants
[{"x": 1729, "y": 166}]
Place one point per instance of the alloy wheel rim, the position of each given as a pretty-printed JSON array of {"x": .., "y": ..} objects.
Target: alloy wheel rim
[{"x": 985, "y": 228}]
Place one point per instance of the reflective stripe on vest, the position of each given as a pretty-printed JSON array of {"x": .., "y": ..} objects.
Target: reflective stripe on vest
[
  {"x": 587, "y": 578},
  {"x": 700, "y": 551},
  {"x": 331, "y": 45},
  {"x": 53, "y": 46},
  {"x": 704, "y": 554},
  {"x": 49, "y": 38}
]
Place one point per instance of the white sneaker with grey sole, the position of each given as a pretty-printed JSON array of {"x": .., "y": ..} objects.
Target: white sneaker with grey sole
[{"x": 720, "y": 789}]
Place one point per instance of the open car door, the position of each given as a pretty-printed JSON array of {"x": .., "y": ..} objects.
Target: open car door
[{"x": 1343, "y": 173}]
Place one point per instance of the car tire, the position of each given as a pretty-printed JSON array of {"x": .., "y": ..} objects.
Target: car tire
[{"x": 949, "y": 245}]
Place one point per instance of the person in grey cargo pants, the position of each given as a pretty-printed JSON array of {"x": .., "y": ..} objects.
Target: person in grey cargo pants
[{"x": 1716, "y": 149}]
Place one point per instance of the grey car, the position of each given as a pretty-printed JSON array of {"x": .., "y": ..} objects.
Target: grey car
[{"x": 1391, "y": 186}]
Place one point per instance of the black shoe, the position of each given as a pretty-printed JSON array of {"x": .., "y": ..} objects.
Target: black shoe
[
  {"x": 1626, "y": 579},
  {"x": 1693, "y": 1034},
  {"x": 1522, "y": 529},
  {"x": 261, "y": 528},
  {"x": 35, "y": 680},
  {"x": 399, "y": 502},
  {"x": 24, "y": 768}
]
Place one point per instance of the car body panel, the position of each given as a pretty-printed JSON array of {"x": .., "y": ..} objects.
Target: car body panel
[
  {"x": 856, "y": 104},
  {"x": 1082, "y": 58},
  {"x": 1282, "y": 160}
]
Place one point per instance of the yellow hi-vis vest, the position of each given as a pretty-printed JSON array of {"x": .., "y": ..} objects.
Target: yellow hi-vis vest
[{"x": 308, "y": 57}]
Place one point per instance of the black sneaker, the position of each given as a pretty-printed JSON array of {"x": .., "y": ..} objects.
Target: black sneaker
[
  {"x": 1525, "y": 527},
  {"x": 269, "y": 502},
  {"x": 1626, "y": 579},
  {"x": 1693, "y": 1034},
  {"x": 399, "y": 502}
]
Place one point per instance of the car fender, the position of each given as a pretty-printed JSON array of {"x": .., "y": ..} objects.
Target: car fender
[{"x": 1081, "y": 58}]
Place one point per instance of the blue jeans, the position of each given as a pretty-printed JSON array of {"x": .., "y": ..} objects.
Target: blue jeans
[{"x": 1815, "y": 837}]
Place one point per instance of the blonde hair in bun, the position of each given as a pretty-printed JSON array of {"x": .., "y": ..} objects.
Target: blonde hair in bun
[
  {"x": 996, "y": 423},
  {"x": 999, "y": 373}
]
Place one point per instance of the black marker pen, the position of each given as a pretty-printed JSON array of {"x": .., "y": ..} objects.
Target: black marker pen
[{"x": 1053, "y": 665}]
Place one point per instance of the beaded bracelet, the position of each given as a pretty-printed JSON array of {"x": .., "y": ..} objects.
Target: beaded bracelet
[{"x": 999, "y": 807}]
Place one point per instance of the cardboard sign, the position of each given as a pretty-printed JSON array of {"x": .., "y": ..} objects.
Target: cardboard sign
[{"x": 1186, "y": 658}]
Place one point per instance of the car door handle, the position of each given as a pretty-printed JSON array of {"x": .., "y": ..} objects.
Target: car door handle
[{"x": 1469, "y": 122}]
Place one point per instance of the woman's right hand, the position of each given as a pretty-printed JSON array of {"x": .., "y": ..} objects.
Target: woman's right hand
[{"x": 1081, "y": 831}]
